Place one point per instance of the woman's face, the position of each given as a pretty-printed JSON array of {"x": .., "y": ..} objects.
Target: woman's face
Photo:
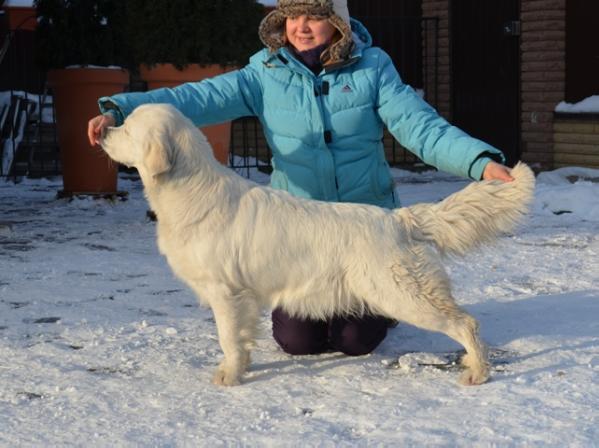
[{"x": 306, "y": 33}]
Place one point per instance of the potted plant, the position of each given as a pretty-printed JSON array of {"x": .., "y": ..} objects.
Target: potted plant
[
  {"x": 20, "y": 15},
  {"x": 79, "y": 42},
  {"x": 176, "y": 41}
]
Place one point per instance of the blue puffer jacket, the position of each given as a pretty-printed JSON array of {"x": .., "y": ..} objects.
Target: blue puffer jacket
[{"x": 326, "y": 130}]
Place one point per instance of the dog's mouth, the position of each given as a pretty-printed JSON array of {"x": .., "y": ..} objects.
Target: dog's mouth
[
  {"x": 106, "y": 145},
  {"x": 106, "y": 138},
  {"x": 105, "y": 141},
  {"x": 106, "y": 132}
]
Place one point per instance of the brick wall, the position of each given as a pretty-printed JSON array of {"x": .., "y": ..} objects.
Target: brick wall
[
  {"x": 576, "y": 140},
  {"x": 543, "y": 76},
  {"x": 440, "y": 9}
]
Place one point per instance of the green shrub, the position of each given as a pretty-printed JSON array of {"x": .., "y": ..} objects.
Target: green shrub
[
  {"x": 80, "y": 32},
  {"x": 183, "y": 32}
]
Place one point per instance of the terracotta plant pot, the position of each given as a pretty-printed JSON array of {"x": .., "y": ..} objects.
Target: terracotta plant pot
[
  {"x": 86, "y": 169},
  {"x": 166, "y": 75},
  {"x": 21, "y": 18}
]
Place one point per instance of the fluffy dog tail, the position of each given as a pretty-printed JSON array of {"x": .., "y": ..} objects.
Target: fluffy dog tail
[{"x": 474, "y": 215}]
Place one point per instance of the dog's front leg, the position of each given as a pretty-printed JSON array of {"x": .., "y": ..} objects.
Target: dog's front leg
[{"x": 228, "y": 321}]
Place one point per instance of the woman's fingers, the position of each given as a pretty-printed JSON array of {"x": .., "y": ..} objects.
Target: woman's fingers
[{"x": 496, "y": 171}]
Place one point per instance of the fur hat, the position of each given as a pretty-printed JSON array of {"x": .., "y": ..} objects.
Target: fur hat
[{"x": 272, "y": 28}]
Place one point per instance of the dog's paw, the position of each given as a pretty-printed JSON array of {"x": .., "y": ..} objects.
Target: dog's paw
[
  {"x": 477, "y": 368},
  {"x": 474, "y": 377},
  {"x": 223, "y": 377}
]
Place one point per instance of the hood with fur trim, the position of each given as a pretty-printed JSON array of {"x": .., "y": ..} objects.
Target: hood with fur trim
[{"x": 272, "y": 28}]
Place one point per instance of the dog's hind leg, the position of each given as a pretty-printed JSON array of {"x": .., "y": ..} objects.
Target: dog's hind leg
[
  {"x": 476, "y": 359},
  {"x": 465, "y": 329},
  {"x": 429, "y": 305},
  {"x": 448, "y": 318}
]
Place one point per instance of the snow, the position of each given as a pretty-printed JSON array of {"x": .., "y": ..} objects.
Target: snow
[
  {"x": 100, "y": 344},
  {"x": 588, "y": 105}
]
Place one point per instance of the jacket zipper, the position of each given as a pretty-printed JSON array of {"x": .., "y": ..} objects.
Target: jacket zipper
[{"x": 319, "y": 93}]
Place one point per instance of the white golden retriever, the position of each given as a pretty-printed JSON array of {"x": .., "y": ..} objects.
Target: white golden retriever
[{"x": 241, "y": 246}]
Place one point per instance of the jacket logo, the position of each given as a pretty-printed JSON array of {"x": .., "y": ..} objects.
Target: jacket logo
[{"x": 346, "y": 89}]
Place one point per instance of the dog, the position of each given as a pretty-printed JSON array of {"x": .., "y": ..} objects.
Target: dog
[{"x": 241, "y": 246}]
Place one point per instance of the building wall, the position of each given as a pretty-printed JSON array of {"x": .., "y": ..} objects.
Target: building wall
[
  {"x": 440, "y": 9},
  {"x": 576, "y": 140},
  {"x": 543, "y": 65}
]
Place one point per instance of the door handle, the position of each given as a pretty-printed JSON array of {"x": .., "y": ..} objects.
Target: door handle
[{"x": 512, "y": 28}]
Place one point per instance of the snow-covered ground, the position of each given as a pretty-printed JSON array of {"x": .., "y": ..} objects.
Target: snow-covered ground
[{"x": 101, "y": 346}]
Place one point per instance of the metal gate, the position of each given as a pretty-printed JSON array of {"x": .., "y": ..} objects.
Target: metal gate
[
  {"x": 486, "y": 71},
  {"x": 582, "y": 51}
]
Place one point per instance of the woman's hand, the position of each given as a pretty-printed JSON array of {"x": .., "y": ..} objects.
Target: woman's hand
[
  {"x": 496, "y": 171},
  {"x": 96, "y": 127}
]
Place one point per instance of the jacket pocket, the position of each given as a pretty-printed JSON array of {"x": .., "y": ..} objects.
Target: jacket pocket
[{"x": 382, "y": 181}]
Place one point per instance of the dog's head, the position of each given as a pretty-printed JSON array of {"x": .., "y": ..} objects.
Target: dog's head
[{"x": 145, "y": 140}]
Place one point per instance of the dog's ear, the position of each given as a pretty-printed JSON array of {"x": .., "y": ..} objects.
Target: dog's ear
[{"x": 157, "y": 154}]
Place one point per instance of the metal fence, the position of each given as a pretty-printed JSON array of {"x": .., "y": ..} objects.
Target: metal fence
[{"x": 28, "y": 144}]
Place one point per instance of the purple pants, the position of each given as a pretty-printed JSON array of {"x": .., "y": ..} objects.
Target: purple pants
[{"x": 353, "y": 336}]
